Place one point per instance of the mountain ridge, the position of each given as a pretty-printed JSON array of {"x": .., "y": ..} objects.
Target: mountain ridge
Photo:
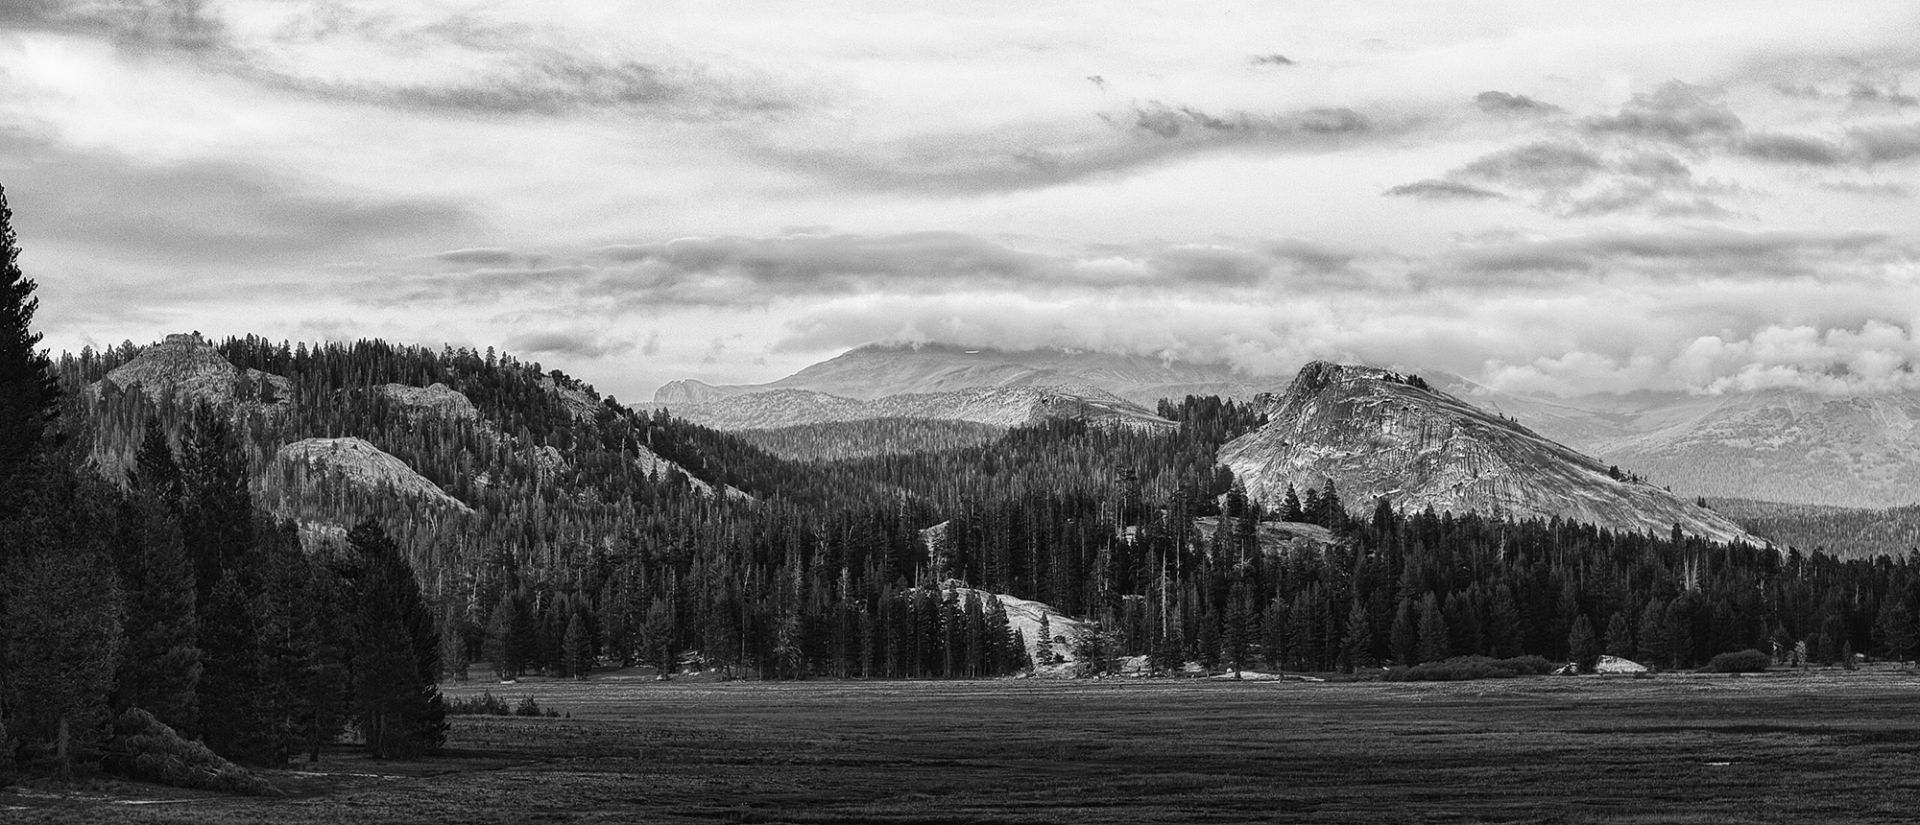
[{"x": 879, "y": 370}]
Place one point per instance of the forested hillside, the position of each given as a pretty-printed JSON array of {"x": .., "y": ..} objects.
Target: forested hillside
[
  {"x": 1847, "y": 532},
  {"x": 838, "y": 440}
]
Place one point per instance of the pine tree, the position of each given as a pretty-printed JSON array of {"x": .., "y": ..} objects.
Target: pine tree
[
  {"x": 234, "y": 717},
  {"x": 216, "y": 505},
  {"x": 1357, "y": 648},
  {"x": 503, "y": 646},
  {"x": 1894, "y": 630},
  {"x": 1290, "y": 509},
  {"x": 657, "y": 638},
  {"x": 1582, "y": 647},
  {"x": 1652, "y": 634},
  {"x": 1404, "y": 636},
  {"x": 397, "y": 703},
  {"x": 161, "y": 670},
  {"x": 28, "y": 391},
  {"x": 1434, "y": 643},
  {"x": 62, "y": 637},
  {"x": 579, "y": 646},
  {"x": 1619, "y": 641}
]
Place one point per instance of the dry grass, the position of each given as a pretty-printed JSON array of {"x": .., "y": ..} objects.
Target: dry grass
[{"x": 1821, "y": 747}]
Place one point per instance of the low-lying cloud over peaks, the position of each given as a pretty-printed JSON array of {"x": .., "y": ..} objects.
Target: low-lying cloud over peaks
[{"x": 1515, "y": 312}]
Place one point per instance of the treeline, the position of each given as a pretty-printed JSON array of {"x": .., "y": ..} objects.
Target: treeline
[
  {"x": 1848, "y": 532},
  {"x": 841, "y": 440}
]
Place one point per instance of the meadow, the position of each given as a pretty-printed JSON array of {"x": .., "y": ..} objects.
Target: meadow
[{"x": 1816, "y": 746}]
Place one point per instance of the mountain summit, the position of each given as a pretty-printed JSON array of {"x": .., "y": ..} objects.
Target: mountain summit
[
  {"x": 881, "y": 370},
  {"x": 1381, "y": 433}
]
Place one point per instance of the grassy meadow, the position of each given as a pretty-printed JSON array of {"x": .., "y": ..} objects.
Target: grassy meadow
[{"x": 1816, "y": 746}]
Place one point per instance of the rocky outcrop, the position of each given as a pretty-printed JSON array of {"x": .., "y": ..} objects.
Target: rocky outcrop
[
  {"x": 1380, "y": 433},
  {"x": 356, "y": 463},
  {"x": 436, "y": 399},
  {"x": 186, "y": 369},
  {"x": 579, "y": 404},
  {"x": 691, "y": 391}
]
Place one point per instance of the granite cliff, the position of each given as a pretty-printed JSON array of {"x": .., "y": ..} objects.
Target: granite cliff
[{"x": 1381, "y": 433}]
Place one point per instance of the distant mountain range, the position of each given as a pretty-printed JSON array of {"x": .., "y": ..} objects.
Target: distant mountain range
[
  {"x": 1782, "y": 445},
  {"x": 1779, "y": 445},
  {"x": 880, "y": 370}
]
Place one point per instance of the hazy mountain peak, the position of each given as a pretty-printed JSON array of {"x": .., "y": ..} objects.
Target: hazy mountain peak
[{"x": 879, "y": 370}]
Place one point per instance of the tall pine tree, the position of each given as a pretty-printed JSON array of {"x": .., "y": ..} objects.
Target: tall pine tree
[{"x": 397, "y": 702}]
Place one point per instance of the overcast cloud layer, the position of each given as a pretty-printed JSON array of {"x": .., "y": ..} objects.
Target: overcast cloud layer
[{"x": 1654, "y": 195}]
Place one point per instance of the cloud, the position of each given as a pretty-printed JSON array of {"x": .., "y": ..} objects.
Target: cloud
[
  {"x": 203, "y": 211},
  {"x": 1306, "y": 125},
  {"x": 1504, "y": 103},
  {"x": 1869, "y": 94},
  {"x": 1799, "y": 149},
  {"x": 1677, "y": 113},
  {"x": 494, "y": 256},
  {"x": 1573, "y": 180},
  {"x": 1883, "y": 189},
  {"x": 575, "y": 343},
  {"x": 1443, "y": 190},
  {"x": 440, "y": 61},
  {"x": 1673, "y": 256},
  {"x": 164, "y": 24},
  {"x": 1886, "y": 143},
  {"x": 1872, "y": 357},
  {"x": 1541, "y": 166},
  {"x": 546, "y": 82},
  {"x": 1044, "y": 155}
]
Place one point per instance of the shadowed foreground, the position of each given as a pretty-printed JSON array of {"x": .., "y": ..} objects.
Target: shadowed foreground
[{"x": 1823, "y": 747}]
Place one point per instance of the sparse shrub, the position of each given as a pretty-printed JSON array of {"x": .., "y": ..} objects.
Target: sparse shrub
[
  {"x": 1467, "y": 668},
  {"x": 146, "y": 749},
  {"x": 527, "y": 707},
  {"x": 1743, "y": 661},
  {"x": 486, "y": 704}
]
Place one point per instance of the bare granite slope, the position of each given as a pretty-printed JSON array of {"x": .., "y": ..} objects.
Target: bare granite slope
[
  {"x": 1380, "y": 433},
  {"x": 354, "y": 462}
]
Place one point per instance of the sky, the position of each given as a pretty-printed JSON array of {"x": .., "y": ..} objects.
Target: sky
[{"x": 1706, "y": 197}]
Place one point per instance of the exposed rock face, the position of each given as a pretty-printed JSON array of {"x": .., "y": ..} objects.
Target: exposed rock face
[
  {"x": 1375, "y": 433},
  {"x": 1001, "y": 407},
  {"x": 579, "y": 404},
  {"x": 187, "y": 369},
  {"x": 438, "y": 399},
  {"x": 355, "y": 462},
  {"x": 880, "y": 370},
  {"x": 691, "y": 391}
]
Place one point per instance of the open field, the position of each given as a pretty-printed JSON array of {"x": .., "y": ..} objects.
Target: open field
[{"x": 1815, "y": 747}]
